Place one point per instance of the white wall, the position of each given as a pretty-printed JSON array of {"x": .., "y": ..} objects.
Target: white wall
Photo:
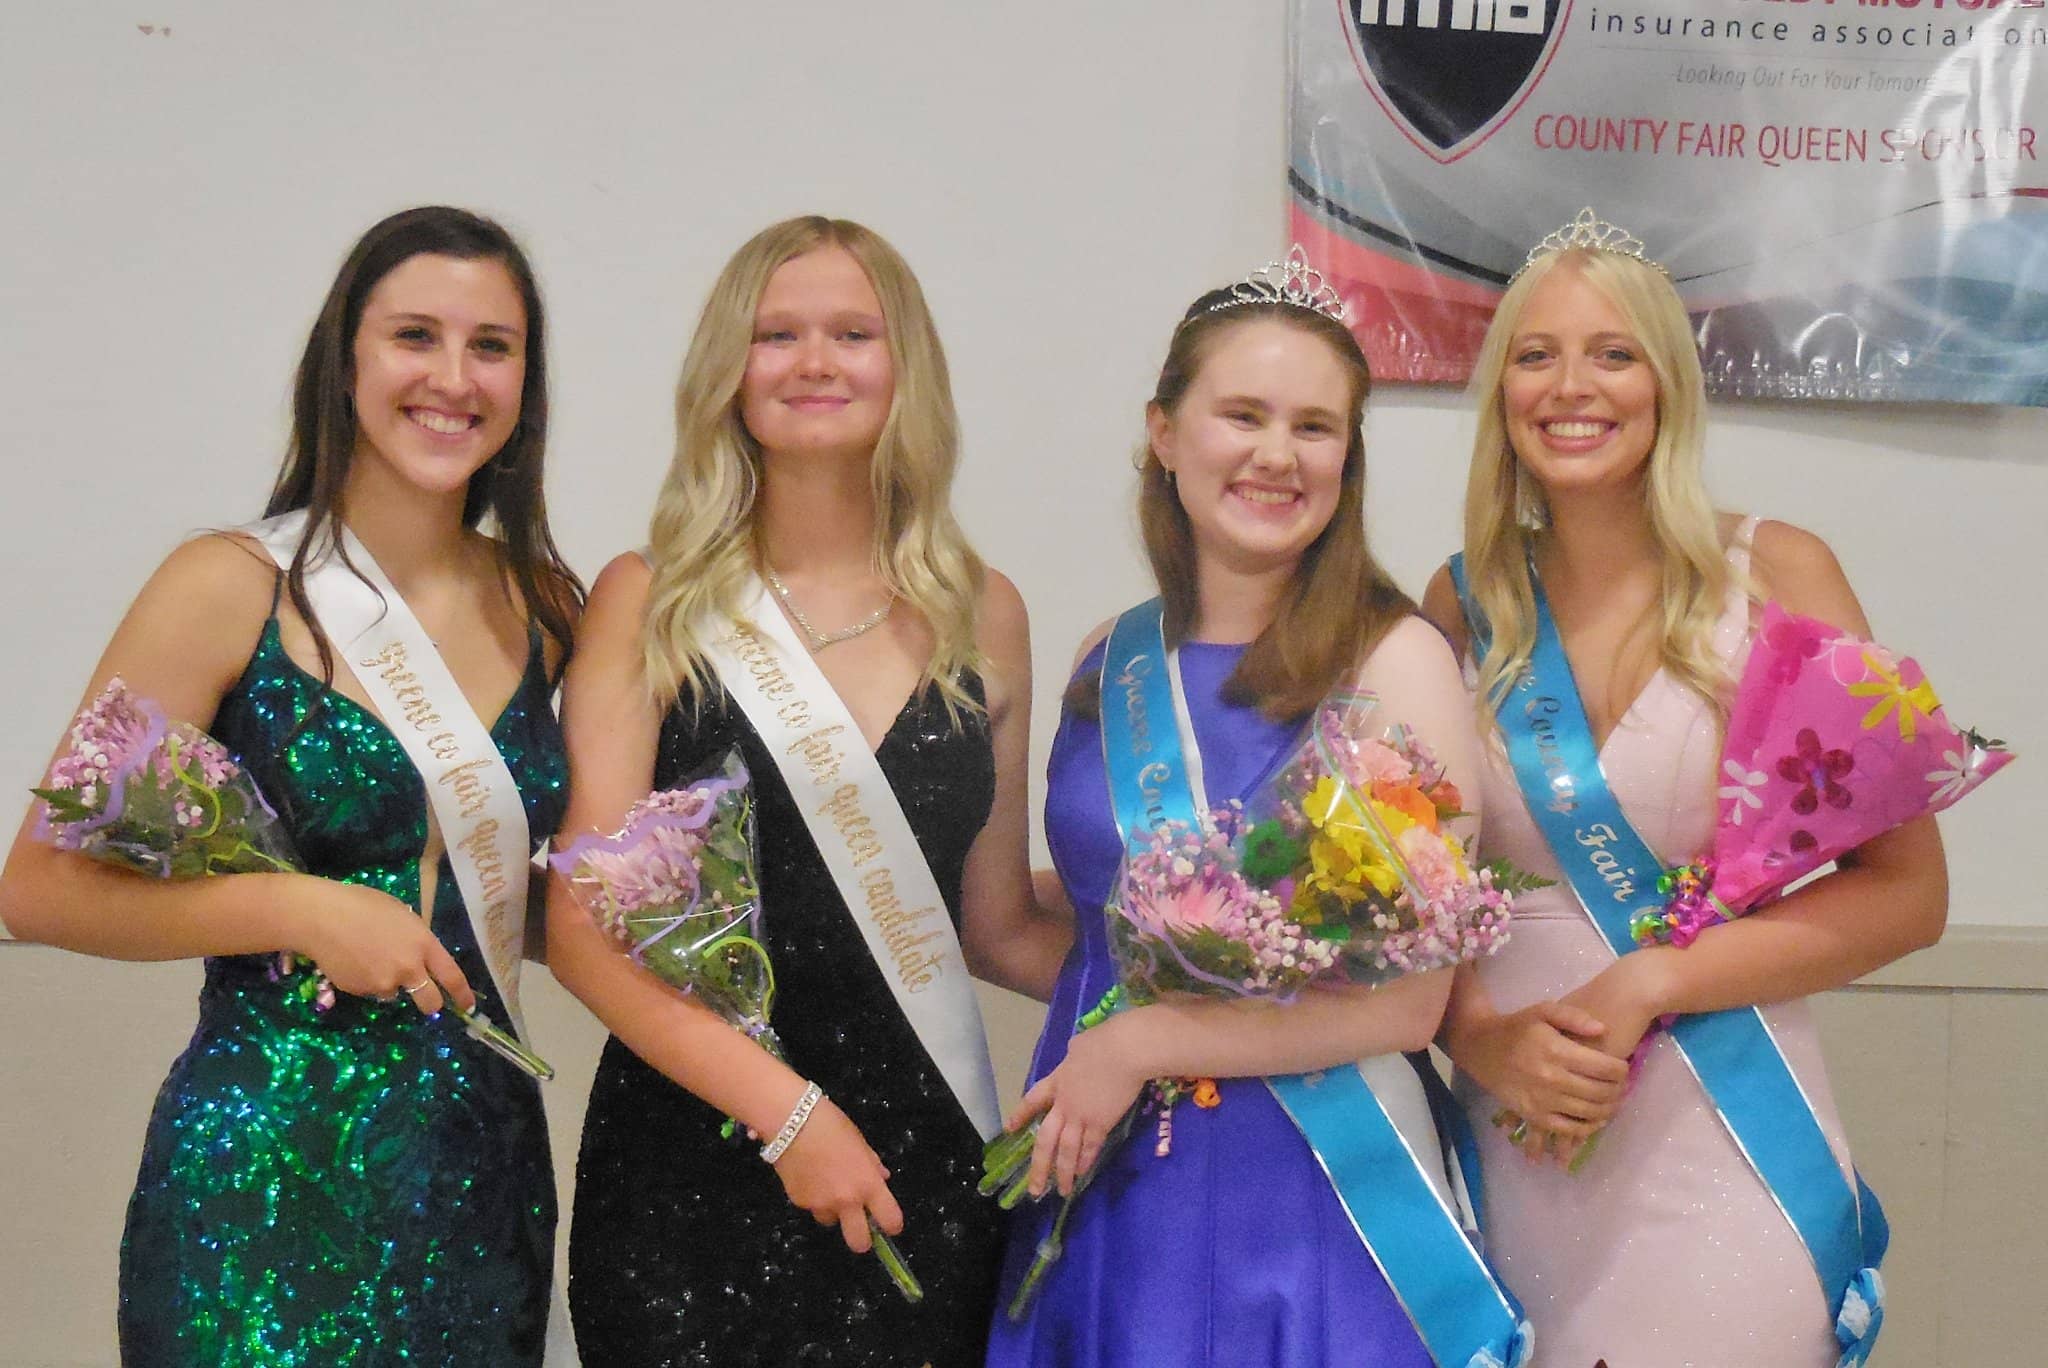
[{"x": 1064, "y": 176}]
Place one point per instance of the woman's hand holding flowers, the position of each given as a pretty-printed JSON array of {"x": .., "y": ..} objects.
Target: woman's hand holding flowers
[
  {"x": 1081, "y": 1101},
  {"x": 369, "y": 943},
  {"x": 832, "y": 1172}
]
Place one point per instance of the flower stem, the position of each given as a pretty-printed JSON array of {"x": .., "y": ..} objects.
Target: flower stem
[
  {"x": 1048, "y": 1254},
  {"x": 892, "y": 1259},
  {"x": 503, "y": 1043}
]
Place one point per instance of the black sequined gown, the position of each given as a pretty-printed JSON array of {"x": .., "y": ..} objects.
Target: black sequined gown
[{"x": 684, "y": 1249}]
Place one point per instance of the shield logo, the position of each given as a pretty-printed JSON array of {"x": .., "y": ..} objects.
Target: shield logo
[{"x": 1450, "y": 72}]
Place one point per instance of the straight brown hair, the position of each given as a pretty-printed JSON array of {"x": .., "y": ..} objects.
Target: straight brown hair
[
  {"x": 1341, "y": 601},
  {"x": 323, "y": 440}
]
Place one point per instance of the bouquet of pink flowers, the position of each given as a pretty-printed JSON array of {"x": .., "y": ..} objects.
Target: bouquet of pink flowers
[
  {"x": 1339, "y": 870},
  {"x": 137, "y": 791},
  {"x": 1830, "y": 741},
  {"x": 158, "y": 797},
  {"x": 677, "y": 888}
]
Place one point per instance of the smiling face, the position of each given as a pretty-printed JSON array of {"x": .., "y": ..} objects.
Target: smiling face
[
  {"x": 1257, "y": 444},
  {"x": 1578, "y": 393},
  {"x": 819, "y": 378},
  {"x": 440, "y": 364}
]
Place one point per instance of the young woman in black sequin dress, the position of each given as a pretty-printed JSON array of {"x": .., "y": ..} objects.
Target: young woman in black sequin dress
[{"x": 816, "y": 444}]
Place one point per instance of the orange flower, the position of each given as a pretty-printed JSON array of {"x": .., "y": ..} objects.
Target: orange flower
[
  {"x": 1409, "y": 800},
  {"x": 1446, "y": 797},
  {"x": 1206, "y": 1094}
]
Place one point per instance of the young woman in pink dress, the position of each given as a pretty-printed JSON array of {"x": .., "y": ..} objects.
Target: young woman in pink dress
[{"x": 1665, "y": 1248}]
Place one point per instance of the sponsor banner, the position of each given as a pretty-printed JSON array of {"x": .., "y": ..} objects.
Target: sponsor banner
[{"x": 1850, "y": 194}]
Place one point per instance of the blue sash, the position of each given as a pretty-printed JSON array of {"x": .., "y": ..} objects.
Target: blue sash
[
  {"x": 1465, "y": 1318},
  {"x": 1732, "y": 1053}
]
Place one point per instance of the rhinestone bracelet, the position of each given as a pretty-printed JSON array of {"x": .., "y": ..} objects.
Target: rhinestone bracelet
[{"x": 800, "y": 1113}]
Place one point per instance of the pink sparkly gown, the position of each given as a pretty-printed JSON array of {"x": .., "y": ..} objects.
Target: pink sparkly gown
[{"x": 1665, "y": 1250}]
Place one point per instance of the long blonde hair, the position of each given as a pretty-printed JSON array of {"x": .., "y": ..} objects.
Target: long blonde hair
[
  {"x": 702, "y": 540},
  {"x": 1501, "y": 500}
]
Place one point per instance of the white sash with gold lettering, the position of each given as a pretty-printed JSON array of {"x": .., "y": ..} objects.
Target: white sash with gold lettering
[
  {"x": 475, "y": 802},
  {"x": 865, "y": 839}
]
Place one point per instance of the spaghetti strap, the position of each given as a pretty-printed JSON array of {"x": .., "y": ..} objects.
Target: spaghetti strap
[
  {"x": 276, "y": 594},
  {"x": 1740, "y": 545},
  {"x": 1732, "y": 634}
]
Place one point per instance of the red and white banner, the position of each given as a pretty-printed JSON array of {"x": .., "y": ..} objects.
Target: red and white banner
[{"x": 1850, "y": 193}]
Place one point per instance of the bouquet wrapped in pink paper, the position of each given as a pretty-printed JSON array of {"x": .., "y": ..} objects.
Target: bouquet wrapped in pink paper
[
  {"x": 143, "y": 793},
  {"x": 1830, "y": 741},
  {"x": 677, "y": 887},
  {"x": 1339, "y": 870}
]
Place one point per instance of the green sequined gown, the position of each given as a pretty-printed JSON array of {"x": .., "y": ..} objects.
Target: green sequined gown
[{"x": 364, "y": 1186}]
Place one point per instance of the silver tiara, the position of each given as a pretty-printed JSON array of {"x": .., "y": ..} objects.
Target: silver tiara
[
  {"x": 1587, "y": 232},
  {"x": 1292, "y": 281}
]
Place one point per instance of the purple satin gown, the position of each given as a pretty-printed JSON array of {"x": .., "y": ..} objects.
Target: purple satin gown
[{"x": 1232, "y": 1249}]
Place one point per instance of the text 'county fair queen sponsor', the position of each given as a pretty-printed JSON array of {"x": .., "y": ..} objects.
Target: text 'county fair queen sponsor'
[{"x": 1849, "y": 193}]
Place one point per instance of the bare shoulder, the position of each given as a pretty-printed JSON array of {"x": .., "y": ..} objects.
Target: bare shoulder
[
  {"x": 1097, "y": 634},
  {"x": 187, "y": 636},
  {"x": 618, "y": 601},
  {"x": 216, "y": 587},
  {"x": 1001, "y": 621},
  {"x": 1413, "y": 653},
  {"x": 1800, "y": 571},
  {"x": 1003, "y": 632},
  {"x": 225, "y": 566},
  {"x": 1440, "y": 605}
]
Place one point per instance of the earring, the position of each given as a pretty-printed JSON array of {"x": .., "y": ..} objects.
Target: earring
[{"x": 1530, "y": 513}]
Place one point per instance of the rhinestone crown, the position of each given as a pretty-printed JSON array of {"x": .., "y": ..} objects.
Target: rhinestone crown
[
  {"x": 1588, "y": 232},
  {"x": 1293, "y": 282}
]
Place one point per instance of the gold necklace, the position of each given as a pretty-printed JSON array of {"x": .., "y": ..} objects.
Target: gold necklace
[{"x": 820, "y": 640}]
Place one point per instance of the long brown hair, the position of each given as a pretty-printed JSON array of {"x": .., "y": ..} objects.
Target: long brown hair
[
  {"x": 323, "y": 440},
  {"x": 1340, "y": 601}
]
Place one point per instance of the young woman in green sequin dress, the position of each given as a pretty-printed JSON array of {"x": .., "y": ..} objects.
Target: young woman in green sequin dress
[{"x": 364, "y": 1185}]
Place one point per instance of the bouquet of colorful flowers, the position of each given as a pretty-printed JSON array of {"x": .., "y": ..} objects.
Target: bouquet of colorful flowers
[
  {"x": 1338, "y": 870},
  {"x": 137, "y": 791},
  {"x": 677, "y": 887},
  {"x": 1830, "y": 741}
]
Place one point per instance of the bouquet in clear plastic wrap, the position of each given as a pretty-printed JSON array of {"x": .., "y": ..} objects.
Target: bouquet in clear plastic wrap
[
  {"x": 138, "y": 791},
  {"x": 677, "y": 888},
  {"x": 162, "y": 798},
  {"x": 1340, "y": 869}
]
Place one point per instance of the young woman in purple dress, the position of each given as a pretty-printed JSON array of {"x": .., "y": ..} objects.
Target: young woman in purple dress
[{"x": 1233, "y": 1248}]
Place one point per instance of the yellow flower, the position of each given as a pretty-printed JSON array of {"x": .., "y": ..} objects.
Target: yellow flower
[
  {"x": 1891, "y": 692},
  {"x": 1342, "y": 861}
]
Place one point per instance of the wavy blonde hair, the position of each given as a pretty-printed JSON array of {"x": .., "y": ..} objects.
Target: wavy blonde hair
[
  {"x": 1500, "y": 498},
  {"x": 702, "y": 539}
]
